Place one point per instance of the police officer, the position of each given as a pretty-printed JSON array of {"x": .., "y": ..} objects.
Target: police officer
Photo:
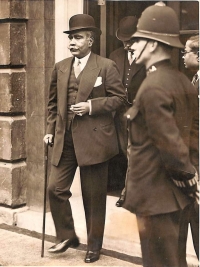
[{"x": 162, "y": 181}]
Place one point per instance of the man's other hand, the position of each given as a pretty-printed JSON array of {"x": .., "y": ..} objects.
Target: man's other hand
[{"x": 80, "y": 108}]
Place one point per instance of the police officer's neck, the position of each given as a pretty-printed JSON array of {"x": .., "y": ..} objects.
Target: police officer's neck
[{"x": 157, "y": 56}]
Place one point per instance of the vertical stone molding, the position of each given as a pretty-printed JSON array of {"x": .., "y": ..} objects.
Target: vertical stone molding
[{"x": 40, "y": 61}]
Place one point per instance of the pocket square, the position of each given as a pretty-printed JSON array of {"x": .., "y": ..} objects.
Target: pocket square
[{"x": 98, "y": 81}]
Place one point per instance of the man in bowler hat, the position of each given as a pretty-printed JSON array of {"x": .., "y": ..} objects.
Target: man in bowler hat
[
  {"x": 162, "y": 180},
  {"x": 132, "y": 75},
  {"x": 84, "y": 91}
]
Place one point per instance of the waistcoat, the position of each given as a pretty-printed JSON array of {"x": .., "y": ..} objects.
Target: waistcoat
[
  {"x": 128, "y": 73},
  {"x": 71, "y": 95}
]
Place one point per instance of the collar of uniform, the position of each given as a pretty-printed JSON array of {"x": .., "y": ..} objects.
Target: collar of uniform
[
  {"x": 155, "y": 66},
  {"x": 83, "y": 61}
]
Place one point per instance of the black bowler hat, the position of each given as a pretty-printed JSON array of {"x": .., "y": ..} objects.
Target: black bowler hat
[
  {"x": 127, "y": 27},
  {"x": 81, "y": 22}
]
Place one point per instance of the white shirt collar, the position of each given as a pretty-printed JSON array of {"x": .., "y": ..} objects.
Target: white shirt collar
[
  {"x": 83, "y": 61},
  {"x": 198, "y": 73}
]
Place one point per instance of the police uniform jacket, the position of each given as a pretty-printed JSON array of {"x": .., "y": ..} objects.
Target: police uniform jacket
[{"x": 160, "y": 133}]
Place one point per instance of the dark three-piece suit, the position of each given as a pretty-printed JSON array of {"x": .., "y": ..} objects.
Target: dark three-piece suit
[{"x": 87, "y": 141}]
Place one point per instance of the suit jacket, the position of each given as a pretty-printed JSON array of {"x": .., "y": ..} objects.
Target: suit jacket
[
  {"x": 160, "y": 134},
  {"x": 94, "y": 135},
  {"x": 119, "y": 56}
]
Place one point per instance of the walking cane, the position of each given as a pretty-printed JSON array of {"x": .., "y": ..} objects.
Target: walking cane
[{"x": 45, "y": 197}]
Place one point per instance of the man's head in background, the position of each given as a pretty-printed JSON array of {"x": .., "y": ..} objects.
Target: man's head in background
[
  {"x": 127, "y": 27},
  {"x": 191, "y": 53}
]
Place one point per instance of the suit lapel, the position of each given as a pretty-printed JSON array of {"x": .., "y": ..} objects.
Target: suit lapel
[
  {"x": 88, "y": 78},
  {"x": 63, "y": 78}
]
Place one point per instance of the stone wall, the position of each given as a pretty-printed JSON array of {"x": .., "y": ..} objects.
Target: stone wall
[
  {"x": 26, "y": 60},
  {"x": 12, "y": 102}
]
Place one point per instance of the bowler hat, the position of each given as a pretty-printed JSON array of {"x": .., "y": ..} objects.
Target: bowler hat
[
  {"x": 127, "y": 27},
  {"x": 82, "y": 22},
  {"x": 159, "y": 23}
]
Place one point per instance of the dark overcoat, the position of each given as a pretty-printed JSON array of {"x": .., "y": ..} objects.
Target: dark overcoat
[
  {"x": 94, "y": 135},
  {"x": 119, "y": 56},
  {"x": 160, "y": 134}
]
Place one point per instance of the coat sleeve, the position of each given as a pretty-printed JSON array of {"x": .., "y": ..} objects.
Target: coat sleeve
[
  {"x": 115, "y": 96},
  {"x": 52, "y": 103}
]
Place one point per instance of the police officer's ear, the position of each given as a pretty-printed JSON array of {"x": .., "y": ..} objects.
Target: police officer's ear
[{"x": 153, "y": 45}]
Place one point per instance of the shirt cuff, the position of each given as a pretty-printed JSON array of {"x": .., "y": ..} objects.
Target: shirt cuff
[{"x": 90, "y": 107}]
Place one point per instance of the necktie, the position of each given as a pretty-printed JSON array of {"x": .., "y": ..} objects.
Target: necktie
[
  {"x": 130, "y": 57},
  {"x": 77, "y": 68},
  {"x": 195, "y": 79}
]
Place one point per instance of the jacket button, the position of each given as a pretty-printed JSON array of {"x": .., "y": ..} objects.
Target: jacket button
[{"x": 95, "y": 129}]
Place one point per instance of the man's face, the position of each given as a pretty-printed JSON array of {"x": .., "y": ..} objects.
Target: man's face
[
  {"x": 127, "y": 44},
  {"x": 80, "y": 43},
  {"x": 190, "y": 58},
  {"x": 139, "y": 47}
]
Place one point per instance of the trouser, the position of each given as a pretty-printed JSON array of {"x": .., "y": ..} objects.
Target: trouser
[
  {"x": 194, "y": 224},
  {"x": 191, "y": 216},
  {"x": 94, "y": 190},
  {"x": 162, "y": 239}
]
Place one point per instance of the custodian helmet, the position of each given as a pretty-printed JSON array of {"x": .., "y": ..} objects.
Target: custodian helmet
[{"x": 159, "y": 23}]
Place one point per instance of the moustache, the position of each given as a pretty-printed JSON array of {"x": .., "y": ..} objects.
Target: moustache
[{"x": 72, "y": 49}]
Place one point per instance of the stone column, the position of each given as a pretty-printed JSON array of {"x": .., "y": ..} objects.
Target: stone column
[
  {"x": 40, "y": 61},
  {"x": 12, "y": 103}
]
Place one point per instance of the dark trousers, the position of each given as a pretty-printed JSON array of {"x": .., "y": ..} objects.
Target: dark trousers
[
  {"x": 94, "y": 191},
  {"x": 162, "y": 239},
  {"x": 194, "y": 224},
  {"x": 190, "y": 215}
]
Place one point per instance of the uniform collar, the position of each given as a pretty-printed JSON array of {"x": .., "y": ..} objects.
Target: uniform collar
[{"x": 156, "y": 65}]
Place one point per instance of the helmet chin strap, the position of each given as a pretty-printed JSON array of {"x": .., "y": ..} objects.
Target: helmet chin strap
[{"x": 141, "y": 51}]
